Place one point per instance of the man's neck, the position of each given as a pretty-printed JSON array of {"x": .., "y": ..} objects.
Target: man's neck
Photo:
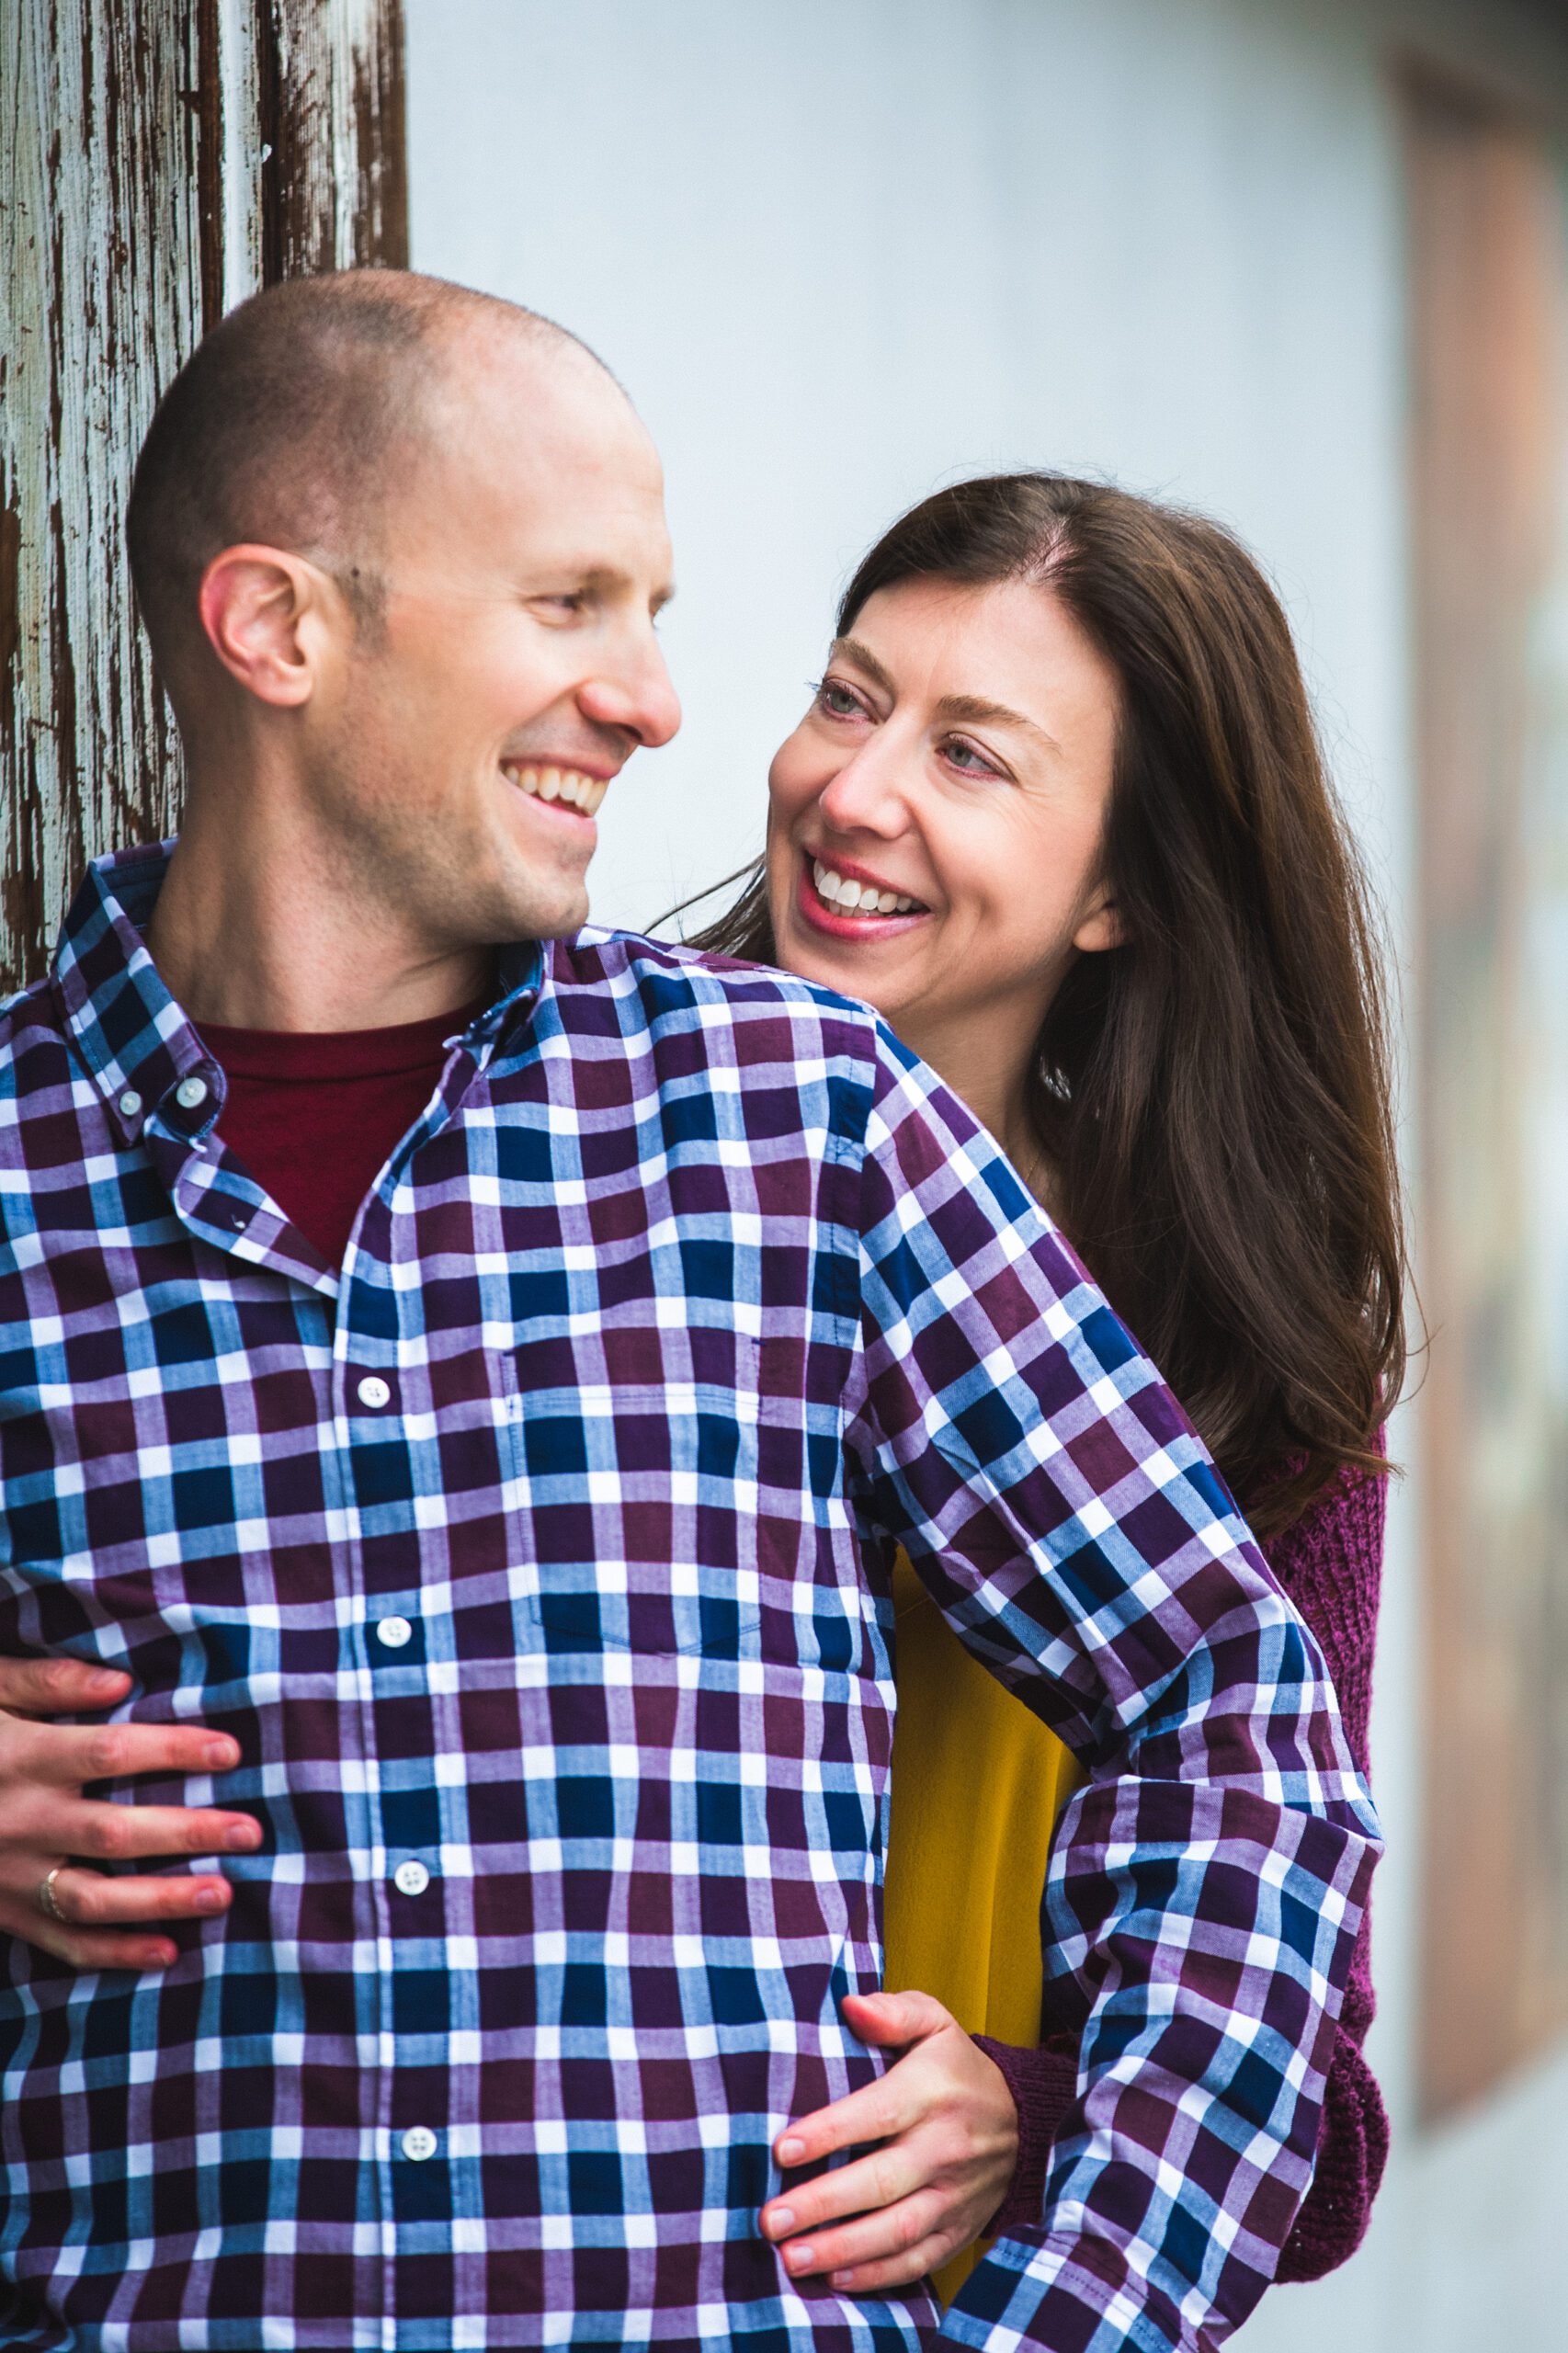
[{"x": 250, "y": 936}]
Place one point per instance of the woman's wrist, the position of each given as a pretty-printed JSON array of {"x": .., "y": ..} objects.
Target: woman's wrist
[{"x": 1043, "y": 2082}]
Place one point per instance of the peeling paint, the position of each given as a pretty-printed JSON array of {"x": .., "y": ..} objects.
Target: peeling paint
[{"x": 139, "y": 199}]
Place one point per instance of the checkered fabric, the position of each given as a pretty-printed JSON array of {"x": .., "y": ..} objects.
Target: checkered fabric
[{"x": 539, "y": 1560}]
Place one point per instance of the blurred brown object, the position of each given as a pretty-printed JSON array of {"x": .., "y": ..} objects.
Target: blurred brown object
[
  {"x": 1487, "y": 335},
  {"x": 161, "y": 161}
]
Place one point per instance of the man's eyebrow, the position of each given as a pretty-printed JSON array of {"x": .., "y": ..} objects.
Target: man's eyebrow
[
  {"x": 603, "y": 579},
  {"x": 973, "y": 711}
]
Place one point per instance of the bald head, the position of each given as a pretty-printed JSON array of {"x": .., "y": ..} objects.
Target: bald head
[{"x": 295, "y": 422}]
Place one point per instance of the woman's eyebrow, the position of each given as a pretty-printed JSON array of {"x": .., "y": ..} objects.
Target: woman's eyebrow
[
  {"x": 851, "y": 650},
  {"x": 973, "y": 711}
]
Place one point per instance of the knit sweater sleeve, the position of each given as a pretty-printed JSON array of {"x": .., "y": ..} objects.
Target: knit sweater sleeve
[{"x": 1330, "y": 1563}]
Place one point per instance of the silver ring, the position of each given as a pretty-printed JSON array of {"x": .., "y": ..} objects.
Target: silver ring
[{"x": 46, "y": 1899}]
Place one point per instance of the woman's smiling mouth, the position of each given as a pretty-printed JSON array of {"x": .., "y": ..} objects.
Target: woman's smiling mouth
[{"x": 853, "y": 905}]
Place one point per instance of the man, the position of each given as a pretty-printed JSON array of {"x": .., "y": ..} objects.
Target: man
[{"x": 514, "y": 1481}]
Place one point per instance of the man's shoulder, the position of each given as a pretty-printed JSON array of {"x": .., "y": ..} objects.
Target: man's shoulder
[
  {"x": 29, "y": 1026},
  {"x": 656, "y": 979}
]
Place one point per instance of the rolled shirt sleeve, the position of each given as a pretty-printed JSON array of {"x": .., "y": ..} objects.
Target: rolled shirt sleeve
[{"x": 1208, "y": 1883}]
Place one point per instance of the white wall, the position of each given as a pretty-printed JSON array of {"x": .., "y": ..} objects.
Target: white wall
[{"x": 841, "y": 250}]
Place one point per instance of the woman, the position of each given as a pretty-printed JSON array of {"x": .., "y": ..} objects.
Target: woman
[{"x": 1058, "y": 811}]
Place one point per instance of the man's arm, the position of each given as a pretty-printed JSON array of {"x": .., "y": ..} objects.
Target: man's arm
[{"x": 1207, "y": 1886}]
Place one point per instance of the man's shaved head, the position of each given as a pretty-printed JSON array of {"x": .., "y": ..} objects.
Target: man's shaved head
[{"x": 292, "y": 424}]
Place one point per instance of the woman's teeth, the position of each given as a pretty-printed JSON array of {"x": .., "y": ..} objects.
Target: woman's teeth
[
  {"x": 857, "y": 898},
  {"x": 579, "y": 791}
]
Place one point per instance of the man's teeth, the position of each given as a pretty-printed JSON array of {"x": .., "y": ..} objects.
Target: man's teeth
[
  {"x": 857, "y": 898},
  {"x": 579, "y": 791}
]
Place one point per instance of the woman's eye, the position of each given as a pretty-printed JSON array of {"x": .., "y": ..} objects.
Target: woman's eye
[
  {"x": 838, "y": 702},
  {"x": 967, "y": 758}
]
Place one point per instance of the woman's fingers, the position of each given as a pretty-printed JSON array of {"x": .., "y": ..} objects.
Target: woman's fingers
[
  {"x": 49, "y": 1831},
  {"x": 90, "y": 1900},
  {"x": 898, "y": 2271},
  {"x": 947, "y": 2132},
  {"x": 880, "y": 2178},
  {"x": 869, "y": 2115},
  {"x": 66, "y": 1756},
  {"x": 894, "y": 2019},
  {"x": 896, "y": 2101},
  {"x": 891, "y": 2235},
  {"x": 48, "y": 1687},
  {"x": 122, "y": 1833},
  {"x": 81, "y": 1947}
]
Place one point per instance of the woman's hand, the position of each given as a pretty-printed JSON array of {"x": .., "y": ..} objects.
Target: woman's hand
[
  {"x": 948, "y": 2135},
  {"x": 100, "y": 1921}
]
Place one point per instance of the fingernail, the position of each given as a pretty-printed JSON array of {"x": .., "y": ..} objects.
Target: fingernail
[
  {"x": 242, "y": 1838},
  {"x": 791, "y": 2151},
  {"x": 800, "y": 2258},
  {"x": 781, "y": 2221},
  {"x": 841, "y": 2279},
  {"x": 107, "y": 1678},
  {"x": 220, "y": 1753},
  {"x": 210, "y": 1899}
]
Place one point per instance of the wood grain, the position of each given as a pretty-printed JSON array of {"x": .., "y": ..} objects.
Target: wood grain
[{"x": 158, "y": 162}]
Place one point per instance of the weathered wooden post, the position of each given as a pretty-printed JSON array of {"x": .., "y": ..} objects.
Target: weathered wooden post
[{"x": 159, "y": 160}]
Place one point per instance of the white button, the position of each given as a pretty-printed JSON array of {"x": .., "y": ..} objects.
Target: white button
[
  {"x": 411, "y": 1878},
  {"x": 396, "y": 1633},
  {"x": 189, "y": 1093},
  {"x": 373, "y": 1391},
  {"x": 419, "y": 2143},
  {"x": 130, "y": 1103}
]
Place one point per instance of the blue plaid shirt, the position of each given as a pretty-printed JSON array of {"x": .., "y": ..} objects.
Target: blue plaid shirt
[{"x": 538, "y": 1559}]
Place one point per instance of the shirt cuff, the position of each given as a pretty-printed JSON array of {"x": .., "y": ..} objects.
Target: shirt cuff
[
  {"x": 1044, "y": 2084},
  {"x": 1064, "y": 2295}
]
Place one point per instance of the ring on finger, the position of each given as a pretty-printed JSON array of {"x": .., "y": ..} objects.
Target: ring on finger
[{"x": 45, "y": 1897}]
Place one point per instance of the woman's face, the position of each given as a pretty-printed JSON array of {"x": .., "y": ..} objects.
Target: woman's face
[{"x": 935, "y": 822}]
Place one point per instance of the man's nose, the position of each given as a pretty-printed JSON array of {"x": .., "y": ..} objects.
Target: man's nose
[{"x": 635, "y": 696}]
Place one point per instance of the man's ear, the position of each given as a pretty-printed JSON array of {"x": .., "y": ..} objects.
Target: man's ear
[
  {"x": 262, "y": 611},
  {"x": 1100, "y": 925}
]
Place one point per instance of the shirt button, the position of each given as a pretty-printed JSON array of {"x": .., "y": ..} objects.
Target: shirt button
[
  {"x": 373, "y": 1392},
  {"x": 419, "y": 2143},
  {"x": 189, "y": 1093},
  {"x": 411, "y": 1878},
  {"x": 129, "y": 1103},
  {"x": 395, "y": 1632}
]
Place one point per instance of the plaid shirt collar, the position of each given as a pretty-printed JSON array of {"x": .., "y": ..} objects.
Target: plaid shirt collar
[{"x": 136, "y": 1043}]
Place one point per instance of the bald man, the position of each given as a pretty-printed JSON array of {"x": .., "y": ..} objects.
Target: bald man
[{"x": 468, "y": 1391}]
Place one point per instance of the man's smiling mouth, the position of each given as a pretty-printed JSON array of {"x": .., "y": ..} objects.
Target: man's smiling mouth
[{"x": 568, "y": 786}]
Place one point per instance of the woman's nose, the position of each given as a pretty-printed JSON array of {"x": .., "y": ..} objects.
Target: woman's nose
[{"x": 864, "y": 796}]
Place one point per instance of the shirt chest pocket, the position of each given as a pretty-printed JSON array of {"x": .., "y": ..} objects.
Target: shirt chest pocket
[{"x": 636, "y": 1523}]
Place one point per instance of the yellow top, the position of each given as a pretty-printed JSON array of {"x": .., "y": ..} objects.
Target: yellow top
[{"x": 978, "y": 1783}]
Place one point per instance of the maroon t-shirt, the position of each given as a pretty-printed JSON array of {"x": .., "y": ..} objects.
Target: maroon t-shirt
[{"x": 314, "y": 1118}]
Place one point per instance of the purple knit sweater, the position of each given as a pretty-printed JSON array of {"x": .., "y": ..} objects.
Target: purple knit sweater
[{"x": 1329, "y": 1564}]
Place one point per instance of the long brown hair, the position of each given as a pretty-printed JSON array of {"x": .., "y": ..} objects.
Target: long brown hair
[{"x": 1214, "y": 1096}]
